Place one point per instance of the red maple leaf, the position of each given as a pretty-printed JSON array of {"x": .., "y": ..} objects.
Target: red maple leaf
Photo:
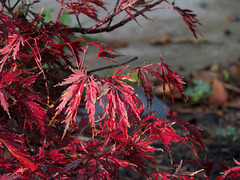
[
  {"x": 121, "y": 100},
  {"x": 73, "y": 95},
  {"x": 5, "y": 79},
  {"x": 232, "y": 172},
  {"x": 16, "y": 148},
  {"x": 162, "y": 73},
  {"x": 170, "y": 77},
  {"x": 190, "y": 19}
]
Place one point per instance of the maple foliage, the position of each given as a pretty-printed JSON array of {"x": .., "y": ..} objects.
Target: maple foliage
[{"x": 45, "y": 80}]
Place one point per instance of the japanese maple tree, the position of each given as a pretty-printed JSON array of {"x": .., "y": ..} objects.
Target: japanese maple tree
[{"x": 45, "y": 78}]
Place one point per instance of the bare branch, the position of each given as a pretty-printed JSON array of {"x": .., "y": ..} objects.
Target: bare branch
[{"x": 112, "y": 66}]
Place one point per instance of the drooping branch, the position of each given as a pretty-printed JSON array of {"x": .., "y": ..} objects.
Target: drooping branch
[{"x": 98, "y": 27}]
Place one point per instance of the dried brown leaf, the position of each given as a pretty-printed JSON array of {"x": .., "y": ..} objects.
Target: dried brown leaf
[{"x": 219, "y": 94}]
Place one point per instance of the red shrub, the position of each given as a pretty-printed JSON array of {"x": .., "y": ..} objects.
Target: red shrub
[{"x": 44, "y": 79}]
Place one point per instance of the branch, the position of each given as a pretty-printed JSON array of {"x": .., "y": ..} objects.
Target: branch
[
  {"x": 114, "y": 11},
  {"x": 98, "y": 29},
  {"x": 112, "y": 66}
]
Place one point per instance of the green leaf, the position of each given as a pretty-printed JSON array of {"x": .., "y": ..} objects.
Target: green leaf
[
  {"x": 133, "y": 75},
  {"x": 22, "y": 9},
  {"x": 225, "y": 74},
  {"x": 45, "y": 66},
  {"x": 65, "y": 19},
  {"x": 200, "y": 90},
  {"x": 47, "y": 14}
]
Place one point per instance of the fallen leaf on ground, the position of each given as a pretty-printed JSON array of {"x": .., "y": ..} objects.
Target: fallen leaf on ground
[
  {"x": 219, "y": 94},
  {"x": 163, "y": 39},
  {"x": 167, "y": 38},
  {"x": 116, "y": 44}
]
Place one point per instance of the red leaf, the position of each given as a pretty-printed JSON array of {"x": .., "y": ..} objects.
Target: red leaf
[
  {"x": 120, "y": 162},
  {"x": 86, "y": 7},
  {"x": 132, "y": 16},
  {"x": 7, "y": 24},
  {"x": 29, "y": 104},
  {"x": 16, "y": 148},
  {"x": 189, "y": 19},
  {"x": 29, "y": 80},
  {"x": 232, "y": 173},
  {"x": 5, "y": 79},
  {"x": 3, "y": 100},
  {"x": 9, "y": 176},
  {"x": 159, "y": 129},
  {"x": 137, "y": 150},
  {"x": 73, "y": 95},
  {"x": 33, "y": 112},
  {"x": 163, "y": 73},
  {"x": 122, "y": 100},
  {"x": 8, "y": 76},
  {"x": 14, "y": 44},
  {"x": 170, "y": 77},
  {"x": 105, "y": 54},
  {"x": 92, "y": 93},
  {"x": 101, "y": 47}
]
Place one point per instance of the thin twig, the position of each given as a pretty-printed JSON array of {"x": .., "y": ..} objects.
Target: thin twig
[
  {"x": 15, "y": 5},
  {"x": 112, "y": 66},
  {"x": 114, "y": 11},
  {"x": 231, "y": 87},
  {"x": 5, "y": 6},
  {"x": 60, "y": 11},
  {"x": 78, "y": 20}
]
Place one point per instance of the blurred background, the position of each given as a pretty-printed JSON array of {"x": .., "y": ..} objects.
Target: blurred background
[{"x": 169, "y": 37}]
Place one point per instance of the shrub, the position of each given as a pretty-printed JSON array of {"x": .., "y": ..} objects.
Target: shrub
[{"x": 44, "y": 79}]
